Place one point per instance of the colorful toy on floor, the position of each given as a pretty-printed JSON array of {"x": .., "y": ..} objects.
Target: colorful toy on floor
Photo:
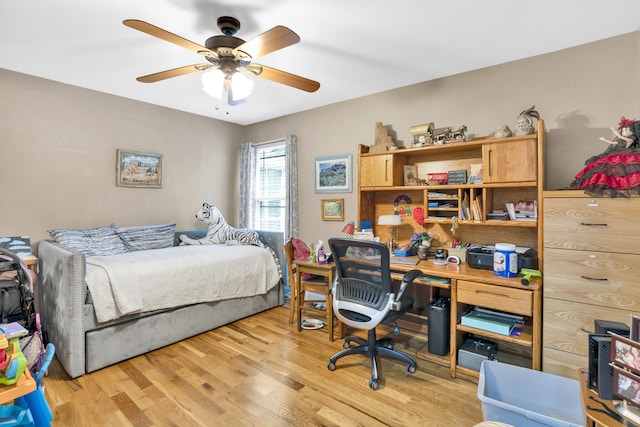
[{"x": 15, "y": 363}]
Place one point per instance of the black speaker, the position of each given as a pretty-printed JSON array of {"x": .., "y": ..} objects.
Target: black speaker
[
  {"x": 600, "y": 369},
  {"x": 606, "y": 326}
]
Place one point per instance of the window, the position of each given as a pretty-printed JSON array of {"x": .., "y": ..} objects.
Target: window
[{"x": 270, "y": 187}]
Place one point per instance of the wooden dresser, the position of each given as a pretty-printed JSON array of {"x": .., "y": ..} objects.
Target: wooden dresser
[{"x": 591, "y": 271}]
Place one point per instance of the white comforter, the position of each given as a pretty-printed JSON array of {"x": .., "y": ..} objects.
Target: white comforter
[{"x": 156, "y": 279}]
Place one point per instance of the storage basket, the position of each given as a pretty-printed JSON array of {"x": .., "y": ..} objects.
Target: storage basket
[{"x": 528, "y": 398}]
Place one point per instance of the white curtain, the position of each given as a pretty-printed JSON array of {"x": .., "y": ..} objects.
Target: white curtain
[
  {"x": 291, "y": 180},
  {"x": 248, "y": 166}
]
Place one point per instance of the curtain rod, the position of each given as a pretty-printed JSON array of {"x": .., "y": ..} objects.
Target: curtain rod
[{"x": 269, "y": 142}]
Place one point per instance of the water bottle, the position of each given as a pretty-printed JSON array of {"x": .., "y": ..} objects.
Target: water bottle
[{"x": 321, "y": 255}]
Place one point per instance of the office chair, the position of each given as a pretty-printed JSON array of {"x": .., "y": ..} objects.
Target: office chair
[{"x": 363, "y": 298}]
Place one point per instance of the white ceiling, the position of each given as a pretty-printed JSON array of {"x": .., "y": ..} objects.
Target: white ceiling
[{"x": 352, "y": 47}]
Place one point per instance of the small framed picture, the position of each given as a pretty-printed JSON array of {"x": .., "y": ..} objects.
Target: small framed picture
[
  {"x": 410, "y": 174},
  {"x": 138, "y": 169},
  {"x": 625, "y": 353},
  {"x": 626, "y": 386},
  {"x": 332, "y": 209},
  {"x": 333, "y": 174},
  {"x": 634, "y": 331}
]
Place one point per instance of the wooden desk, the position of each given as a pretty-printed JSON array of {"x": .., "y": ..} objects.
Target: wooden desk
[
  {"x": 25, "y": 385},
  {"x": 323, "y": 270},
  {"x": 475, "y": 287},
  {"x": 595, "y": 418}
]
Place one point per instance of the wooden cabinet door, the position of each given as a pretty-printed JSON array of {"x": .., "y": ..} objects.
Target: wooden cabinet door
[
  {"x": 376, "y": 171},
  {"x": 512, "y": 161}
]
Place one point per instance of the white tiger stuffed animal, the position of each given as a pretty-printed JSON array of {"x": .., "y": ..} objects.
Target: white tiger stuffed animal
[{"x": 220, "y": 232}]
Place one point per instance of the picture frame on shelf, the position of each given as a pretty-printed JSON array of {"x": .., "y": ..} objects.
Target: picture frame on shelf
[
  {"x": 410, "y": 174},
  {"x": 625, "y": 385},
  {"x": 332, "y": 209},
  {"x": 634, "y": 331},
  {"x": 138, "y": 169},
  {"x": 625, "y": 353},
  {"x": 333, "y": 174}
]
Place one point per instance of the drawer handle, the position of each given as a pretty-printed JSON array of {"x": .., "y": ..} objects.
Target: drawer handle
[
  {"x": 495, "y": 294},
  {"x": 604, "y": 279},
  {"x": 594, "y": 224},
  {"x": 585, "y": 331}
]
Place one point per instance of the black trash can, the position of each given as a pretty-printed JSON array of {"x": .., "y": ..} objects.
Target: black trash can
[{"x": 438, "y": 326}]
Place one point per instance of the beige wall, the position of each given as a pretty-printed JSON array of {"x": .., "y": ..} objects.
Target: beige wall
[
  {"x": 579, "y": 92},
  {"x": 58, "y": 151},
  {"x": 59, "y": 142}
]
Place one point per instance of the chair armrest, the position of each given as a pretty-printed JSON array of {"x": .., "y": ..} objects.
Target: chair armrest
[{"x": 407, "y": 278}]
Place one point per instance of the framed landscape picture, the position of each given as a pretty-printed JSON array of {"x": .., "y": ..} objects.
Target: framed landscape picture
[
  {"x": 332, "y": 209},
  {"x": 333, "y": 174},
  {"x": 138, "y": 169}
]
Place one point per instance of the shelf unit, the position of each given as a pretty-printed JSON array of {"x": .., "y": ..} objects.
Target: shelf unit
[{"x": 512, "y": 170}]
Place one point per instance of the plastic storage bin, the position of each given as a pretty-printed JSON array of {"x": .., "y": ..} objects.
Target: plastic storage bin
[{"x": 528, "y": 398}]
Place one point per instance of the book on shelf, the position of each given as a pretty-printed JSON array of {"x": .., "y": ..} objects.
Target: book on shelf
[
  {"x": 13, "y": 330},
  {"x": 464, "y": 211},
  {"x": 475, "y": 173},
  {"x": 487, "y": 322}
]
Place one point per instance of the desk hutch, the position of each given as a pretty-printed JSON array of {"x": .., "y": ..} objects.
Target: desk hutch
[{"x": 512, "y": 171}]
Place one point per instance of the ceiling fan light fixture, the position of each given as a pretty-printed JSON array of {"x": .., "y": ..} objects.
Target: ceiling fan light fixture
[
  {"x": 213, "y": 83},
  {"x": 232, "y": 88},
  {"x": 241, "y": 86}
]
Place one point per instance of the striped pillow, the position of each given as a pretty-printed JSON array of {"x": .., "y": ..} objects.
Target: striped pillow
[
  {"x": 90, "y": 241},
  {"x": 143, "y": 237}
]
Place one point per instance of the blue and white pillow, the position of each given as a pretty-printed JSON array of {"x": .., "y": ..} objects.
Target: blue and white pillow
[
  {"x": 143, "y": 237},
  {"x": 90, "y": 241}
]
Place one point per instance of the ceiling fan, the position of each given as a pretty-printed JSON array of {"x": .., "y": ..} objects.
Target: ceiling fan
[{"x": 227, "y": 55}]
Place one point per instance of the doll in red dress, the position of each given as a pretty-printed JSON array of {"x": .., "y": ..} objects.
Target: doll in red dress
[{"x": 616, "y": 171}]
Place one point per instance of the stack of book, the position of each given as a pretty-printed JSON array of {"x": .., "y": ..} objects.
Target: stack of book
[{"x": 492, "y": 321}]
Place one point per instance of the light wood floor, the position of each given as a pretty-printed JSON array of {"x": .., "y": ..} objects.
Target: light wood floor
[{"x": 261, "y": 372}]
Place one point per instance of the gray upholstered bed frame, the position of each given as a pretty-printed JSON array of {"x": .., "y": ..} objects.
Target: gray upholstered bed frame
[{"x": 83, "y": 345}]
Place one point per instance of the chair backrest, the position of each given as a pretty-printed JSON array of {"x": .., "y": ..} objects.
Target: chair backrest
[
  {"x": 363, "y": 290},
  {"x": 46, "y": 361},
  {"x": 288, "y": 256}
]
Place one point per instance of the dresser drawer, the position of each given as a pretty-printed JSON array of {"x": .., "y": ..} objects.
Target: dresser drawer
[
  {"x": 561, "y": 363},
  {"x": 600, "y": 278},
  {"x": 592, "y": 224},
  {"x": 566, "y": 325},
  {"x": 518, "y": 301}
]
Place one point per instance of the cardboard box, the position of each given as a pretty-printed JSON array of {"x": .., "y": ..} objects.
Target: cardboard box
[{"x": 438, "y": 178}]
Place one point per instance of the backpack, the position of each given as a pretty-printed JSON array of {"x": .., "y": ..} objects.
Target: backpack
[{"x": 16, "y": 292}]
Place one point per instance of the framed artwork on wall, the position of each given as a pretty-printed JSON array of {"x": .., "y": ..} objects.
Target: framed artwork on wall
[
  {"x": 138, "y": 169},
  {"x": 333, "y": 174},
  {"x": 332, "y": 209}
]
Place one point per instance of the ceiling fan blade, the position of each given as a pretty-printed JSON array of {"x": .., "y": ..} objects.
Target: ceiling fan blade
[
  {"x": 271, "y": 40},
  {"x": 162, "y": 75},
  {"x": 158, "y": 32},
  {"x": 283, "y": 77}
]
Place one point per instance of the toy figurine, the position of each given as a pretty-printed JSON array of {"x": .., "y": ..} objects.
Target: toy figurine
[
  {"x": 627, "y": 134},
  {"x": 616, "y": 171}
]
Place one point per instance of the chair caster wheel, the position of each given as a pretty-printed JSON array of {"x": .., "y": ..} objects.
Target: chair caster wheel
[
  {"x": 331, "y": 366},
  {"x": 411, "y": 369},
  {"x": 389, "y": 345},
  {"x": 373, "y": 385},
  {"x": 345, "y": 345}
]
